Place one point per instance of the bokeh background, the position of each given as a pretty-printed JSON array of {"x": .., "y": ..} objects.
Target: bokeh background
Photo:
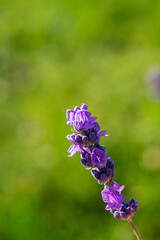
[{"x": 55, "y": 55}]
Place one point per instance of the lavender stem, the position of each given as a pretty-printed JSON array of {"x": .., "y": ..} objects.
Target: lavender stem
[{"x": 135, "y": 230}]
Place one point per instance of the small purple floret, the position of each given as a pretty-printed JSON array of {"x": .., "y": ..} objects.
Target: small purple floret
[
  {"x": 112, "y": 195},
  {"x": 80, "y": 118},
  {"x": 98, "y": 157},
  {"x": 104, "y": 174},
  {"x": 86, "y": 159},
  {"x": 76, "y": 147},
  {"x": 127, "y": 210}
]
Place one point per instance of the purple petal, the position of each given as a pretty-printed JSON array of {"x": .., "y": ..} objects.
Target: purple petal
[
  {"x": 88, "y": 150},
  {"x": 70, "y": 116},
  {"x": 121, "y": 188},
  {"x": 102, "y": 133},
  {"x": 71, "y": 137},
  {"x": 109, "y": 173},
  {"x": 84, "y": 161},
  {"x": 104, "y": 178},
  {"x": 108, "y": 207},
  {"x": 75, "y": 148},
  {"x": 79, "y": 116},
  {"x": 84, "y": 106},
  {"x": 71, "y": 150},
  {"x": 79, "y": 149},
  {"x": 89, "y": 164},
  {"x": 117, "y": 187},
  {"x": 96, "y": 174},
  {"x": 96, "y": 126},
  {"x": 93, "y": 137},
  {"x": 98, "y": 152},
  {"x": 92, "y": 119},
  {"x": 94, "y": 159},
  {"x": 76, "y": 109},
  {"x": 86, "y": 115}
]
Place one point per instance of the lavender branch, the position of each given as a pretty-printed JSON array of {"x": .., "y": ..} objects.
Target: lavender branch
[{"x": 86, "y": 140}]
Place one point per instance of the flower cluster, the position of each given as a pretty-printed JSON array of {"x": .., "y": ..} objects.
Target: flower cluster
[
  {"x": 127, "y": 210},
  {"x": 86, "y": 140}
]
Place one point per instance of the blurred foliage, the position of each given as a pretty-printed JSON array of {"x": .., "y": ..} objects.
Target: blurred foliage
[{"x": 55, "y": 55}]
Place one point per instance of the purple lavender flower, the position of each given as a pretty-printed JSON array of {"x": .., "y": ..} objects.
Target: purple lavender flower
[
  {"x": 70, "y": 114},
  {"x": 110, "y": 165},
  {"x": 98, "y": 157},
  {"x": 104, "y": 175},
  {"x": 76, "y": 147},
  {"x": 86, "y": 160},
  {"x": 127, "y": 210},
  {"x": 81, "y": 119},
  {"x": 90, "y": 137},
  {"x": 86, "y": 141},
  {"x": 112, "y": 195}
]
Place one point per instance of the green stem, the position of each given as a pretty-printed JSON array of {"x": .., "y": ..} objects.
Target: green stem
[{"x": 135, "y": 230}]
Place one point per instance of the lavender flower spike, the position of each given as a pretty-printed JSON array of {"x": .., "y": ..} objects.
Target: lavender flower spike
[{"x": 86, "y": 140}]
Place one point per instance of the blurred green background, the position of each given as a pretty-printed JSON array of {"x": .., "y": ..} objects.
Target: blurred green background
[{"x": 55, "y": 55}]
